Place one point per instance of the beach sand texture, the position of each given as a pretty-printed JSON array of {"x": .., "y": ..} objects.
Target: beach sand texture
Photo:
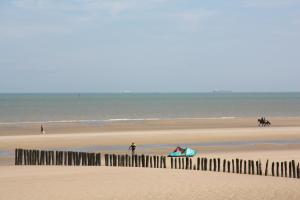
[{"x": 61, "y": 182}]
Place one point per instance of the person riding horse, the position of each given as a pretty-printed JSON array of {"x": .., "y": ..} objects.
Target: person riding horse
[{"x": 263, "y": 122}]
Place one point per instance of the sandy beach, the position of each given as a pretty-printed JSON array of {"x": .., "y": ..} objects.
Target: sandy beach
[{"x": 225, "y": 138}]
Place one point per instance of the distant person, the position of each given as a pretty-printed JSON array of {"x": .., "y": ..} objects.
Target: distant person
[
  {"x": 42, "y": 130},
  {"x": 132, "y": 148}
]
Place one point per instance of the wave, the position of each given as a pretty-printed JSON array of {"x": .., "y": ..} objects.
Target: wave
[{"x": 92, "y": 121}]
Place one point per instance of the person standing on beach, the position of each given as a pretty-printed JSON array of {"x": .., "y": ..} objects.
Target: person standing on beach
[
  {"x": 42, "y": 130},
  {"x": 132, "y": 148}
]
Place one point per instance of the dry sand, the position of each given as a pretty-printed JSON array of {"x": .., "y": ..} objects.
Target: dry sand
[
  {"x": 277, "y": 143},
  {"x": 137, "y": 183}
]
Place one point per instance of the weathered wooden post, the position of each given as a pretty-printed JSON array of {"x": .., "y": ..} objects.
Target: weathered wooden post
[
  {"x": 16, "y": 157},
  {"x": 157, "y": 161},
  {"x": 237, "y": 165},
  {"x": 281, "y": 167},
  {"x": 232, "y": 166},
  {"x": 219, "y": 164},
  {"x": 106, "y": 159},
  {"x": 151, "y": 164},
  {"x": 298, "y": 171},
  {"x": 191, "y": 163},
  {"x": 215, "y": 164},
  {"x": 224, "y": 165},
  {"x": 179, "y": 163},
  {"x": 210, "y": 164},
  {"x": 154, "y": 159},
  {"x": 273, "y": 170},
  {"x": 241, "y": 166},
  {"x": 266, "y": 169},
  {"x": 186, "y": 163},
  {"x": 202, "y": 164},
  {"x": 277, "y": 168},
  {"x": 285, "y": 168},
  {"x": 294, "y": 168},
  {"x": 98, "y": 159},
  {"x": 228, "y": 166},
  {"x": 143, "y": 161},
  {"x": 172, "y": 163},
  {"x": 129, "y": 161},
  {"x": 252, "y": 167},
  {"x": 147, "y": 161},
  {"x": 249, "y": 166},
  {"x": 198, "y": 163},
  {"x": 245, "y": 166},
  {"x": 290, "y": 169},
  {"x": 110, "y": 160}
]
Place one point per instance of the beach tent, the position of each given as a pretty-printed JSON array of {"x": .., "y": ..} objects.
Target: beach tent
[{"x": 183, "y": 152}]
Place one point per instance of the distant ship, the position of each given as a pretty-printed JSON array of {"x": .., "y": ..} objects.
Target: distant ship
[{"x": 222, "y": 91}]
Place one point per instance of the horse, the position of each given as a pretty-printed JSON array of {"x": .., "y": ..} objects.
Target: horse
[{"x": 263, "y": 122}]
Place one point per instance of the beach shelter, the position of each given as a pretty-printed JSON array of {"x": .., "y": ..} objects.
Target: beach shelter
[{"x": 182, "y": 152}]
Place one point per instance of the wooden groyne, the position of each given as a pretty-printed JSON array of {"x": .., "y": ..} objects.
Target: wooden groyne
[{"x": 289, "y": 169}]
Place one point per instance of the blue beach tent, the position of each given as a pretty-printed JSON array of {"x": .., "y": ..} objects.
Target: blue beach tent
[{"x": 183, "y": 152}]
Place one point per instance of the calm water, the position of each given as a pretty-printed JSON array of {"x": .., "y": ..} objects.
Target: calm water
[{"x": 101, "y": 107}]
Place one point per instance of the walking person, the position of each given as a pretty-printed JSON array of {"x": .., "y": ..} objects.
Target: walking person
[
  {"x": 132, "y": 148},
  {"x": 42, "y": 130}
]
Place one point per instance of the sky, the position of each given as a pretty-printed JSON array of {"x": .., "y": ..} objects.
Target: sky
[{"x": 149, "y": 45}]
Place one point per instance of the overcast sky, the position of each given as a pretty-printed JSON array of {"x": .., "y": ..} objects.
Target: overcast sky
[{"x": 149, "y": 45}]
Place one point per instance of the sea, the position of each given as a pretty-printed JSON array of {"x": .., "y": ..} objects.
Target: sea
[{"x": 103, "y": 107}]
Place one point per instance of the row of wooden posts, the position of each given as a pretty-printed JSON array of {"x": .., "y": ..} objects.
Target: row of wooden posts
[
  {"x": 71, "y": 158},
  {"x": 135, "y": 161},
  {"x": 239, "y": 166}
]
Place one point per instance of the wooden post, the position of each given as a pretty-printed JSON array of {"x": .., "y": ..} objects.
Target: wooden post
[
  {"x": 157, "y": 161},
  {"x": 106, "y": 159},
  {"x": 285, "y": 168},
  {"x": 182, "y": 163},
  {"x": 172, "y": 163},
  {"x": 277, "y": 168},
  {"x": 215, "y": 164},
  {"x": 298, "y": 171},
  {"x": 129, "y": 161},
  {"x": 191, "y": 163},
  {"x": 147, "y": 161},
  {"x": 219, "y": 164},
  {"x": 154, "y": 159},
  {"x": 98, "y": 159},
  {"x": 266, "y": 169},
  {"x": 186, "y": 163},
  {"x": 290, "y": 169},
  {"x": 249, "y": 166},
  {"x": 110, "y": 158},
  {"x": 151, "y": 164},
  {"x": 273, "y": 170},
  {"x": 294, "y": 168},
  {"x": 253, "y": 167},
  {"x": 241, "y": 166},
  {"x": 224, "y": 165},
  {"x": 210, "y": 164},
  {"x": 245, "y": 166},
  {"x": 16, "y": 157},
  {"x": 232, "y": 166},
  {"x": 143, "y": 161},
  {"x": 281, "y": 167},
  {"x": 228, "y": 166},
  {"x": 198, "y": 163},
  {"x": 179, "y": 163},
  {"x": 237, "y": 165}
]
